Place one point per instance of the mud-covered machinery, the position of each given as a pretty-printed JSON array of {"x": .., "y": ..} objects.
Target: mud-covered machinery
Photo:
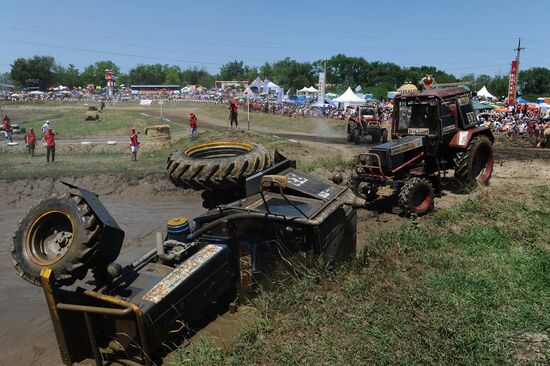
[
  {"x": 285, "y": 219},
  {"x": 432, "y": 131}
]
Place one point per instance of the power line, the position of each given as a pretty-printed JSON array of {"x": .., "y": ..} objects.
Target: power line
[
  {"x": 262, "y": 31},
  {"x": 108, "y": 52}
]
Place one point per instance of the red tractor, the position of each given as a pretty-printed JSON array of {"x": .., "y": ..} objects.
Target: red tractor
[
  {"x": 432, "y": 131},
  {"x": 366, "y": 123}
]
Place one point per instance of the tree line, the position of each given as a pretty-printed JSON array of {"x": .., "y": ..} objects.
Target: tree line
[{"x": 342, "y": 71}]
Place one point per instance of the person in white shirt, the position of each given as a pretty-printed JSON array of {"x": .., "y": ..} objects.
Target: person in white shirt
[{"x": 45, "y": 127}]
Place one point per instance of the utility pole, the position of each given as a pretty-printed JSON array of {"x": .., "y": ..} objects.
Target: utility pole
[
  {"x": 518, "y": 51},
  {"x": 513, "y": 81}
]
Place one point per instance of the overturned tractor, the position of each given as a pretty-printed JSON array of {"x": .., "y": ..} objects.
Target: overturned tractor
[
  {"x": 433, "y": 131},
  {"x": 277, "y": 217}
]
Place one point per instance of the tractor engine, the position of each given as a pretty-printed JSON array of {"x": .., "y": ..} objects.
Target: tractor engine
[{"x": 386, "y": 160}]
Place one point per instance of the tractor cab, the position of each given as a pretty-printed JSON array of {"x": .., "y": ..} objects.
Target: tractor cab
[{"x": 418, "y": 116}]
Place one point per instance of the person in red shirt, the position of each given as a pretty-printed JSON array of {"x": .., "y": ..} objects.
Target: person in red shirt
[
  {"x": 6, "y": 125},
  {"x": 134, "y": 144},
  {"x": 193, "y": 125},
  {"x": 30, "y": 140},
  {"x": 233, "y": 112},
  {"x": 49, "y": 139}
]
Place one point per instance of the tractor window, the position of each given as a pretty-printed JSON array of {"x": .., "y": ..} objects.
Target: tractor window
[{"x": 418, "y": 117}]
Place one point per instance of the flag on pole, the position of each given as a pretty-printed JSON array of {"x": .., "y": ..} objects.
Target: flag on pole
[
  {"x": 266, "y": 86},
  {"x": 358, "y": 88}
]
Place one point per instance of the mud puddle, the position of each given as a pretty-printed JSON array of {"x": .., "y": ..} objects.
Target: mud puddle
[{"x": 26, "y": 335}]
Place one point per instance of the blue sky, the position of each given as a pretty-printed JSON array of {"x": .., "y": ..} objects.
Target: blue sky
[{"x": 457, "y": 36}]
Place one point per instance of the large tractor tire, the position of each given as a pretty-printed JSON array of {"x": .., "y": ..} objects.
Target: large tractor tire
[
  {"x": 416, "y": 196},
  {"x": 349, "y": 134},
  {"x": 474, "y": 165},
  {"x": 60, "y": 233},
  {"x": 217, "y": 165},
  {"x": 357, "y": 136}
]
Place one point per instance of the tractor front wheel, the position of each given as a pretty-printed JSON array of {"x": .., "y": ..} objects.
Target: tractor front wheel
[{"x": 416, "y": 196}]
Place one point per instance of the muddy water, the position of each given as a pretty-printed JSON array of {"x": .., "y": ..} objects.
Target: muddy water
[{"x": 26, "y": 333}]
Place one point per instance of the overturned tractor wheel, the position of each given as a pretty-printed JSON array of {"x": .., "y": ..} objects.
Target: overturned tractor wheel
[
  {"x": 217, "y": 165},
  {"x": 417, "y": 196},
  {"x": 474, "y": 165},
  {"x": 60, "y": 233}
]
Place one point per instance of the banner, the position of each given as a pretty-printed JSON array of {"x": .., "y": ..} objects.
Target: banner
[
  {"x": 358, "y": 88},
  {"x": 512, "y": 86},
  {"x": 322, "y": 82},
  {"x": 266, "y": 86}
]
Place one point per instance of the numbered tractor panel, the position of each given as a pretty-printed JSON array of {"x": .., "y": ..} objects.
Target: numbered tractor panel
[{"x": 311, "y": 186}]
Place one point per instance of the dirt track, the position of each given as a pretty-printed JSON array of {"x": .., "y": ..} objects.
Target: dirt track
[{"x": 142, "y": 207}]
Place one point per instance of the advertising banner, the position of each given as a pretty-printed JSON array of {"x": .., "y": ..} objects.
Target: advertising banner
[{"x": 512, "y": 86}]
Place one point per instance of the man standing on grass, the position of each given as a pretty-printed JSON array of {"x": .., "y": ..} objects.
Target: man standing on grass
[
  {"x": 30, "y": 140},
  {"x": 6, "y": 125},
  {"x": 134, "y": 144},
  {"x": 233, "y": 112},
  {"x": 49, "y": 139},
  {"x": 193, "y": 125}
]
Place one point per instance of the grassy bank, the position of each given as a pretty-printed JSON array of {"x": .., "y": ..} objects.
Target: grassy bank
[
  {"x": 16, "y": 165},
  {"x": 68, "y": 118},
  {"x": 466, "y": 286}
]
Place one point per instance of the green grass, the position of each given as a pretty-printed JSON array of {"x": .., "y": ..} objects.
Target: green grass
[
  {"x": 451, "y": 289},
  {"x": 68, "y": 119}
]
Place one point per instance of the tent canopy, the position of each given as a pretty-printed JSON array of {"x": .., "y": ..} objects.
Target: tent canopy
[
  {"x": 483, "y": 92},
  {"x": 478, "y": 106},
  {"x": 349, "y": 97}
]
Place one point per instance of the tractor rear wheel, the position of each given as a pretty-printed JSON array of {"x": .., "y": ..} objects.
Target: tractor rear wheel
[
  {"x": 357, "y": 136},
  {"x": 474, "y": 165},
  {"x": 416, "y": 196},
  {"x": 60, "y": 233},
  {"x": 217, "y": 165}
]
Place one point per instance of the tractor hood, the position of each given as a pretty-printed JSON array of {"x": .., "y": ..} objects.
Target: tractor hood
[{"x": 397, "y": 152}]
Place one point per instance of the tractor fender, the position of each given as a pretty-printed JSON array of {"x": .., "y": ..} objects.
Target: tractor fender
[{"x": 462, "y": 138}]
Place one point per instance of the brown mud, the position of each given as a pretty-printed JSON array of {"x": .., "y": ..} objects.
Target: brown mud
[{"x": 141, "y": 206}]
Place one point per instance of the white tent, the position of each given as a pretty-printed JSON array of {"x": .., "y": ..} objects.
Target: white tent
[
  {"x": 483, "y": 92},
  {"x": 308, "y": 90},
  {"x": 348, "y": 98}
]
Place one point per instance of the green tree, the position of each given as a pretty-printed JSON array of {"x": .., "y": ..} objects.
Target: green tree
[
  {"x": 535, "y": 81},
  {"x": 266, "y": 71},
  {"x": 291, "y": 74},
  {"x": 172, "y": 75},
  {"x": 148, "y": 74},
  {"x": 69, "y": 76},
  {"x": 37, "y": 67},
  {"x": 234, "y": 70},
  {"x": 95, "y": 74},
  {"x": 197, "y": 76}
]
